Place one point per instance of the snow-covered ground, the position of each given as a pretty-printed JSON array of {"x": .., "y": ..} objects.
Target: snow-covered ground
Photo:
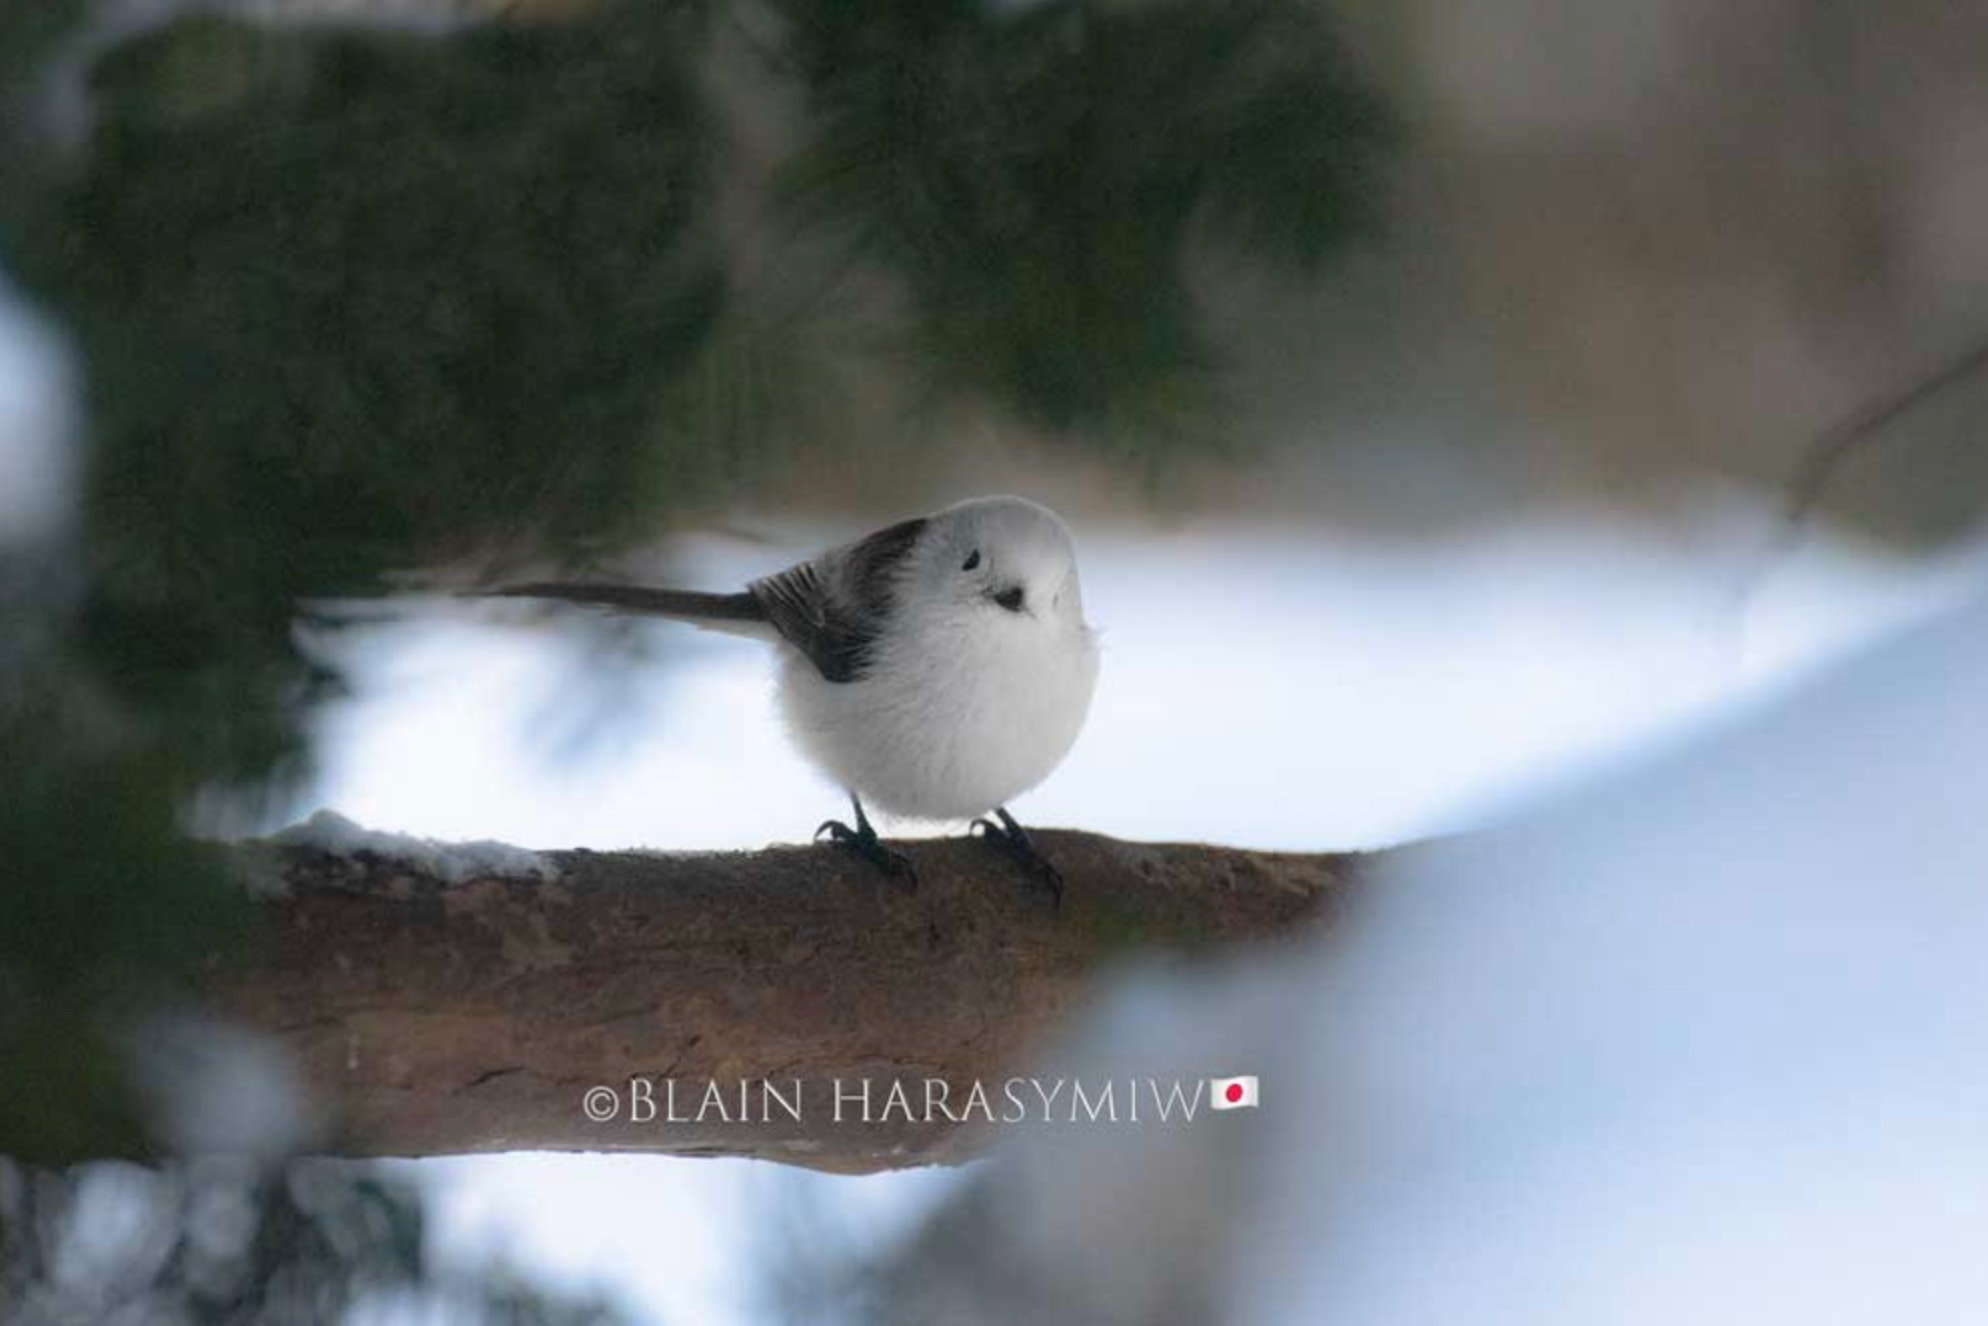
[{"x": 1697, "y": 1040}]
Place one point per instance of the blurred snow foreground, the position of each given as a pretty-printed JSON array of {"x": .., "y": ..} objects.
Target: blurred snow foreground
[{"x": 1701, "y": 1042}]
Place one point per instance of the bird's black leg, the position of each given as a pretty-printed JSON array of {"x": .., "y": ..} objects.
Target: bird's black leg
[
  {"x": 1013, "y": 839},
  {"x": 863, "y": 841}
]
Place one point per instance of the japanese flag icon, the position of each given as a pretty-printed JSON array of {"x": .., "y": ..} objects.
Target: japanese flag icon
[{"x": 1232, "y": 1093}]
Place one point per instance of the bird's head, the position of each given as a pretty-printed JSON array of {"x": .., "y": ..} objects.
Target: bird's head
[{"x": 1007, "y": 556}]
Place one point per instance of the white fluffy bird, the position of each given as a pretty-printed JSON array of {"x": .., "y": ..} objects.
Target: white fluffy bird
[{"x": 937, "y": 668}]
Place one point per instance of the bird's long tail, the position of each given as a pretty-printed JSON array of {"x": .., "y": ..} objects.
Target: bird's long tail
[{"x": 683, "y": 604}]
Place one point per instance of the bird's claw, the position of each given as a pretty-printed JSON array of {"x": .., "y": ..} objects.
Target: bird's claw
[
  {"x": 1014, "y": 841},
  {"x": 871, "y": 848}
]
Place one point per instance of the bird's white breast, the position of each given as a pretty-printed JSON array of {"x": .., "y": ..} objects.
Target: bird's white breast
[{"x": 959, "y": 712}]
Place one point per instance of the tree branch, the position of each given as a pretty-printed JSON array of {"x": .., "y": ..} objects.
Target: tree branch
[{"x": 439, "y": 1017}]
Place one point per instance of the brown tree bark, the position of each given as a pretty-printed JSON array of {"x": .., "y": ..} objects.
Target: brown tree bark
[{"x": 435, "y": 1017}]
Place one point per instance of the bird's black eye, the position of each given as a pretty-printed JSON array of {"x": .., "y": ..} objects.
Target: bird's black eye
[
  {"x": 972, "y": 560},
  {"x": 1010, "y": 598}
]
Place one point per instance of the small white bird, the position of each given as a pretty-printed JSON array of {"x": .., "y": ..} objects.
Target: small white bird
[{"x": 937, "y": 668}]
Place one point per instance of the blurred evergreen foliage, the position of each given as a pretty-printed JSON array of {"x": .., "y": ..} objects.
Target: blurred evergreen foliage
[
  {"x": 221, "y": 1243},
  {"x": 28, "y": 32},
  {"x": 1038, "y": 173},
  {"x": 347, "y": 303},
  {"x": 351, "y": 303}
]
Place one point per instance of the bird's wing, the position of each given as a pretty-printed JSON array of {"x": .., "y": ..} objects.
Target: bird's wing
[{"x": 834, "y": 607}]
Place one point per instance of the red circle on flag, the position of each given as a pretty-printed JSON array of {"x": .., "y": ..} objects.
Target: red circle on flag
[{"x": 1234, "y": 1093}]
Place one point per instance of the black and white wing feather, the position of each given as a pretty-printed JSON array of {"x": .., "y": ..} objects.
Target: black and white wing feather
[{"x": 834, "y": 607}]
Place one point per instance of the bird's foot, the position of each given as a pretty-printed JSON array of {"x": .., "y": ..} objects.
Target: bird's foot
[
  {"x": 863, "y": 841},
  {"x": 1014, "y": 841}
]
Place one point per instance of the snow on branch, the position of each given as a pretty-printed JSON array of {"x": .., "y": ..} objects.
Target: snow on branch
[{"x": 452, "y": 863}]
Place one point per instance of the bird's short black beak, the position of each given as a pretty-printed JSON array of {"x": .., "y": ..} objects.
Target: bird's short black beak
[{"x": 1009, "y": 598}]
